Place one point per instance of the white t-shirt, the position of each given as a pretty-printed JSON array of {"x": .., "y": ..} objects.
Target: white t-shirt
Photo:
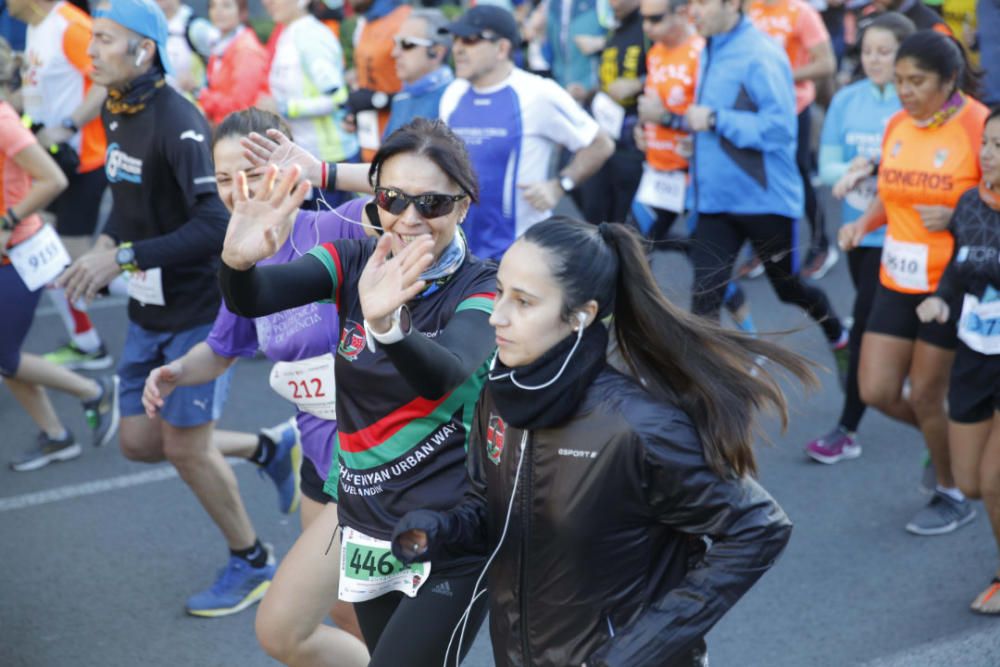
[{"x": 513, "y": 132}]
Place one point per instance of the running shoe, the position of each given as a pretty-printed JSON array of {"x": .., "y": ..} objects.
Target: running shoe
[
  {"x": 72, "y": 357},
  {"x": 237, "y": 586},
  {"x": 752, "y": 268},
  {"x": 819, "y": 262},
  {"x": 835, "y": 446},
  {"x": 102, "y": 412},
  {"x": 284, "y": 468},
  {"x": 942, "y": 515},
  {"x": 47, "y": 451}
]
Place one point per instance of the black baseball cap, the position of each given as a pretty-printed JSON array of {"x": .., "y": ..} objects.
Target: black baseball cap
[{"x": 483, "y": 18}]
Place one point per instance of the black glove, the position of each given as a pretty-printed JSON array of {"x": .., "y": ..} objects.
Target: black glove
[
  {"x": 365, "y": 99},
  {"x": 426, "y": 520}
]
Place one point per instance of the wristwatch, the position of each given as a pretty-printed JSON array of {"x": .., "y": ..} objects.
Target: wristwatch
[
  {"x": 402, "y": 324},
  {"x": 125, "y": 257},
  {"x": 566, "y": 183},
  {"x": 68, "y": 123},
  {"x": 711, "y": 120}
]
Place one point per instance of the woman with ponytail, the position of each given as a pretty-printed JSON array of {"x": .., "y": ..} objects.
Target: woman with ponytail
[
  {"x": 929, "y": 158},
  {"x": 619, "y": 506}
]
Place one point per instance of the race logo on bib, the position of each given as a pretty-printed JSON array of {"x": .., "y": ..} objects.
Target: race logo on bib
[
  {"x": 352, "y": 340},
  {"x": 495, "y": 433}
]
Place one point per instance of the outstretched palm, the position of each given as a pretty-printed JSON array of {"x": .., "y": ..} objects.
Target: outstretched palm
[
  {"x": 261, "y": 223},
  {"x": 389, "y": 282},
  {"x": 279, "y": 150}
]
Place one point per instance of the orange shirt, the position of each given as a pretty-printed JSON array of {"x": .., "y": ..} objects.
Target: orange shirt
[
  {"x": 56, "y": 78},
  {"x": 14, "y": 181},
  {"x": 671, "y": 75},
  {"x": 797, "y": 28},
  {"x": 924, "y": 166},
  {"x": 373, "y": 61}
]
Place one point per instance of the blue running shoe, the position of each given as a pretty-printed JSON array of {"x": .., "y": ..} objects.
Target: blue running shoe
[
  {"x": 238, "y": 586},
  {"x": 284, "y": 468}
]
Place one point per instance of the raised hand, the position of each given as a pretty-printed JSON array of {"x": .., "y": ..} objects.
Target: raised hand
[
  {"x": 160, "y": 383},
  {"x": 260, "y": 224},
  {"x": 389, "y": 282},
  {"x": 279, "y": 150}
]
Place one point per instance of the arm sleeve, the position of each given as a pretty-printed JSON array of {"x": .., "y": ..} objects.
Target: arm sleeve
[
  {"x": 200, "y": 237},
  {"x": 764, "y": 115},
  {"x": 269, "y": 289},
  {"x": 748, "y": 529},
  {"x": 950, "y": 285},
  {"x": 434, "y": 368},
  {"x": 76, "y": 40},
  {"x": 564, "y": 121}
]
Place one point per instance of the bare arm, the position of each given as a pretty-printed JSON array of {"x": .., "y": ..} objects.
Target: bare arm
[
  {"x": 47, "y": 180},
  {"x": 589, "y": 159},
  {"x": 822, "y": 63},
  {"x": 90, "y": 107}
]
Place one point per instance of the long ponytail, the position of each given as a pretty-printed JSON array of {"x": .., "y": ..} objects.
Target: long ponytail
[{"x": 713, "y": 374}]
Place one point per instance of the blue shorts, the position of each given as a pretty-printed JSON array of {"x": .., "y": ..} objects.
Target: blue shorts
[
  {"x": 146, "y": 350},
  {"x": 18, "y": 311}
]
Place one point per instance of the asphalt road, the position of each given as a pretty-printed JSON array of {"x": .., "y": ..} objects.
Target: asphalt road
[{"x": 99, "y": 554}]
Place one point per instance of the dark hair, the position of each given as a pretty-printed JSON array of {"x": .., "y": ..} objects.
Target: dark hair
[
  {"x": 711, "y": 373},
  {"x": 942, "y": 55},
  {"x": 242, "y": 123},
  {"x": 899, "y": 25},
  {"x": 435, "y": 141}
]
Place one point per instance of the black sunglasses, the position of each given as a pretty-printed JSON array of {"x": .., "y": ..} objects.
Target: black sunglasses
[
  {"x": 407, "y": 43},
  {"x": 654, "y": 18},
  {"x": 472, "y": 40},
  {"x": 429, "y": 205}
]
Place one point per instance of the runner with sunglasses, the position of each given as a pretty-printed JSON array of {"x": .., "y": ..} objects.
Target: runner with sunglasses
[
  {"x": 414, "y": 310},
  {"x": 513, "y": 124},
  {"x": 420, "y": 53}
]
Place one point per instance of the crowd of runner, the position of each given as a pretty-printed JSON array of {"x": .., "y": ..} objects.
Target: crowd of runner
[{"x": 495, "y": 409}]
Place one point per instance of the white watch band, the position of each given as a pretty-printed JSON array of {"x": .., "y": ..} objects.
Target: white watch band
[{"x": 393, "y": 335}]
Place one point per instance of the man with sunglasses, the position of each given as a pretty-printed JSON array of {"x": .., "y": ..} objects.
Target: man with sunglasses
[
  {"x": 420, "y": 54},
  {"x": 513, "y": 123}
]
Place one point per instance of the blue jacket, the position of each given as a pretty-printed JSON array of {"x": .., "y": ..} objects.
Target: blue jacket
[
  {"x": 420, "y": 99},
  {"x": 747, "y": 165}
]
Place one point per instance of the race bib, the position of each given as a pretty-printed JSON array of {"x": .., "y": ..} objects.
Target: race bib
[
  {"x": 146, "y": 287},
  {"x": 979, "y": 326},
  {"x": 369, "y": 570},
  {"x": 609, "y": 114},
  {"x": 308, "y": 383},
  {"x": 863, "y": 193},
  {"x": 368, "y": 134},
  {"x": 906, "y": 263},
  {"x": 662, "y": 189},
  {"x": 40, "y": 258}
]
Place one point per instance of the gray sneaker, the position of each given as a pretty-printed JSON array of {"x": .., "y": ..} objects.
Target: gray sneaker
[
  {"x": 47, "y": 451},
  {"x": 102, "y": 412},
  {"x": 941, "y": 515}
]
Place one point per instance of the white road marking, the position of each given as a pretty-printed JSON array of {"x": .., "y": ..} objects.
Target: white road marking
[{"x": 158, "y": 474}]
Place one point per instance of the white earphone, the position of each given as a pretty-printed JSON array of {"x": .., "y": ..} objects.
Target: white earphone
[
  {"x": 139, "y": 58},
  {"x": 581, "y": 317}
]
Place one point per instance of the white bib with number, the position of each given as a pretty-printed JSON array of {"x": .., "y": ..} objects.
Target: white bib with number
[
  {"x": 369, "y": 570},
  {"x": 863, "y": 193},
  {"x": 979, "y": 327},
  {"x": 40, "y": 258},
  {"x": 664, "y": 190},
  {"x": 308, "y": 383},
  {"x": 906, "y": 262},
  {"x": 609, "y": 114},
  {"x": 146, "y": 287},
  {"x": 368, "y": 134}
]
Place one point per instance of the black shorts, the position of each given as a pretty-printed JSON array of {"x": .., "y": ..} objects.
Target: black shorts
[
  {"x": 79, "y": 205},
  {"x": 311, "y": 484},
  {"x": 895, "y": 314},
  {"x": 974, "y": 392}
]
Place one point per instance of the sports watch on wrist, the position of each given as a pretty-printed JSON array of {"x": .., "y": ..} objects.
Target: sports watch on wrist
[
  {"x": 68, "y": 123},
  {"x": 125, "y": 257},
  {"x": 566, "y": 183},
  {"x": 711, "y": 120}
]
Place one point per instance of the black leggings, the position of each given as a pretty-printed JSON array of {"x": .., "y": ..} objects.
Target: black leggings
[
  {"x": 803, "y": 158},
  {"x": 415, "y": 631},
  {"x": 864, "y": 264},
  {"x": 607, "y": 195},
  {"x": 715, "y": 245}
]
